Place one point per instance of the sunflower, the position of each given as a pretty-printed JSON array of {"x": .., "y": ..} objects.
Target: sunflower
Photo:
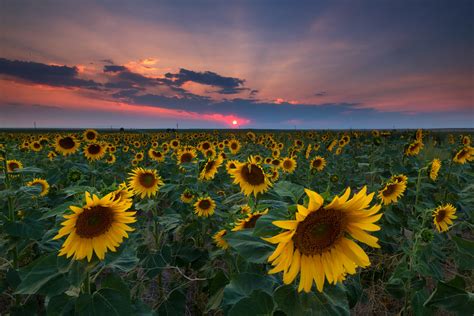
[
  {"x": 90, "y": 135},
  {"x": 174, "y": 143},
  {"x": 249, "y": 221},
  {"x": 210, "y": 168},
  {"x": 111, "y": 159},
  {"x": 234, "y": 146},
  {"x": 123, "y": 193},
  {"x": 251, "y": 177},
  {"x": 435, "y": 166},
  {"x": 156, "y": 155},
  {"x": 36, "y": 146},
  {"x": 219, "y": 239},
  {"x": 41, "y": 183},
  {"x": 186, "y": 156},
  {"x": 204, "y": 206},
  {"x": 443, "y": 216},
  {"x": 464, "y": 155},
  {"x": 144, "y": 182},
  {"x": 94, "y": 151},
  {"x": 52, "y": 155},
  {"x": 288, "y": 164},
  {"x": 316, "y": 243},
  {"x": 245, "y": 209},
  {"x": 392, "y": 191},
  {"x": 318, "y": 163},
  {"x": 466, "y": 140},
  {"x": 274, "y": 175},
  {"x": 332, "y": 145},
  {"x": 399, "y": 178},
  {"x": 231, "y": 165},
  {"x": 187, "y": 197},
  {"x": 414, "y": 148},
  {"x": 139, "y": 156},
  {"x": 98, "y": 226},
  {"x": 14, "y": 165},
  {"x": 66, "y": 145}
]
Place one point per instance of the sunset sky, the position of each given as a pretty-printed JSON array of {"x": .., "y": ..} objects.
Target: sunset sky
[{"x": 264, "y": 64}]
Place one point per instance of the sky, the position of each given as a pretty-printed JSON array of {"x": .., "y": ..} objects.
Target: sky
[{"x": 237, "y": 64}]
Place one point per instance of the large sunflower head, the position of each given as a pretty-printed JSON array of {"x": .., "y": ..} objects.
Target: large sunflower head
[
  {"x": 14, "y": 165},
  {"x": 66, "y": 145},
  {"x": 156, "y": 155},
  {"x": 123, "y": 193},
  {"x": 434, "y": 170},
  {"x": 187, "y": 196},
  {"x": 98, "y": 226},
  {"x": 40, "y": 183},
  {"x": 251, "y": 177},
  {"x": 90, "y": 135},
  {"x": 288, "y": 164},
  {"x": 204, "y": 206},
  {"x": 144, "y": 182},
  {"x": 234, "y": 146},
  {"x": 186, "y": 156},
  {"x": 318, "y": 163},
  {"x": 36, "y": 146},
  {"x": 414, "y": 148},
  {"x": 95, "y": 151},
  {"x": 220, "y": 240},
  {"x": 399, "y": 178},
  {"x": 249, "y": 221},
  {"x": 210, "y": 168},
  {"x": 392, "y": 191},
  {"x": 443, "y": 216},
  {"x": 464, "y": 155},
  {"x": 319, "y": 243}
]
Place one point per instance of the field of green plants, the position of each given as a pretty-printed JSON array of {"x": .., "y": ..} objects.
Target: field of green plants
[{"x": 236, "y": 222}]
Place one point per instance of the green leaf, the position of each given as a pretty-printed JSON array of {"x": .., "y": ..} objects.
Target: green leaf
[
  {"x": 27, "y": 228},
  {"x": 242, "y": 285},
  {"x": 40, "y": 272},
  {"x": 332, "y": 301},
  {"x": 60, "y": 305},
  {"x": 103, "y": 302},
  {"x": 289, "y": 190},
  {"x": 452, "y": 298},
  {"x": 125, "y": 259},
  {"x": 258, "y": 303},
  {"x": 250, "y": 247},
  {"x": 58, "y": 210},
  {"x": 175, "y": 305},
  {"x": 465, "y": 253},
  {"x": 114, "y": 281},
  {"x": 287, "y": 300}
]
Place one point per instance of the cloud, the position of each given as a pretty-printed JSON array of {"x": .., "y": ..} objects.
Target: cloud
[
  {"x": 59, "y": 76},
  {"x": 227, "y": 85},
  {"x": 320, "y": 94},
  {"x": 114, "y": 68}
]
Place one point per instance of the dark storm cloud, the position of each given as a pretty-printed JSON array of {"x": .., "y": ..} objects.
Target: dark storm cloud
[
  {"x": 227, "y": 85},
  {"x": 321, "y": 94},
  {"x": 59, "y": 76},
  {"x": 114, "y": 68}
]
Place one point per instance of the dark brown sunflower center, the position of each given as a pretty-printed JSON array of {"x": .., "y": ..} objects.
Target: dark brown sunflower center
[
  {"x": 94, "y": 222},
  {"x": 206, "y": 146},
  {"x": 37, "y": 145},
  {"x": 186, "y": 157},
  {"x": 90, "y": 135},
  {"x": 389, "y": 189},
  {"x": 67, "y": 142},
  {"x": 462, "y": 153},
  {"x": 317, "y": 163},
  {"x": 147, "y": 180},
  {"x": 440, "y": 216},
  {"x": 94, "y": 149},
  {"x": 276, "y": 162},
  {"x": 174, "y": 144},
  {"x": 252, "y": 174},
  {"x": 157, "y": 154},
  {"x": 319, "y": 231},
  {"x": 232, "y": 166},
  {"x": 287, "y": 164},
  {"x": 188, "y": 195},
  {"x": 233, "y": 146},
  {"x": 252, "y": 221},
  {"x": 209, "y": 165},
  {"x": 204, "y": 204},
  {"x": 13, "y": 165}
]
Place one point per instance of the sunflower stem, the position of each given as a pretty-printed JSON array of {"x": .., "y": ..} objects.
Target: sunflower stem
[
  {"x": 87, "y": 284},
  {"x": 418, "y": 184},
  {"x": 447, "y": 179}
]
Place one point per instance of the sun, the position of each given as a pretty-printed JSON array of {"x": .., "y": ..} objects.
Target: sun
[{"x": 234, "y": 122}]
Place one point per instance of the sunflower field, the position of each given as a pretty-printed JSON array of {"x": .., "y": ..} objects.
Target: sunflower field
[{"x": 236, "y": 222}]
